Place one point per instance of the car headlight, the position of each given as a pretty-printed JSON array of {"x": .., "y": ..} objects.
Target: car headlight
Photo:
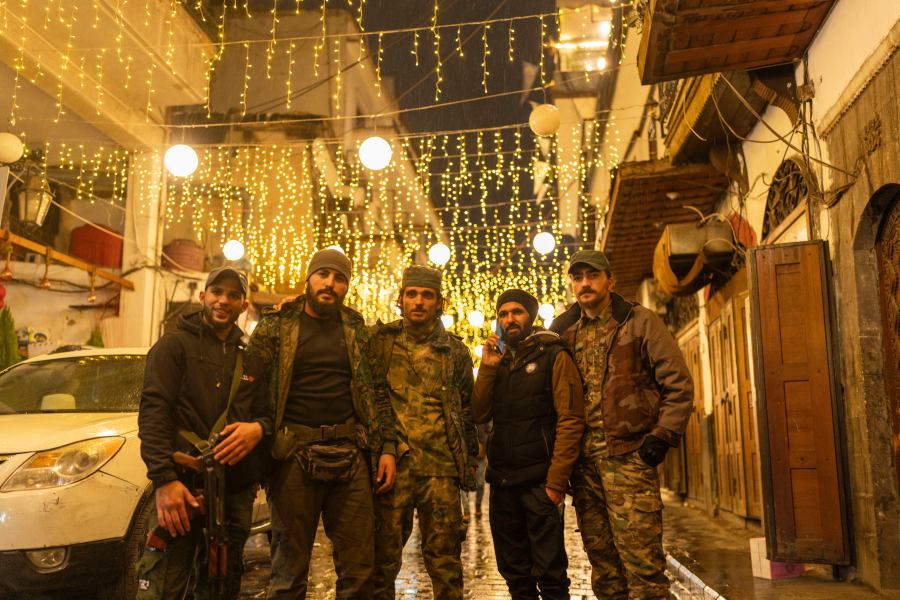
[{"x": 64, "y": 465}]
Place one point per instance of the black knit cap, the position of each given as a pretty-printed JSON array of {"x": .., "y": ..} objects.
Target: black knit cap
[{"x": 528, "y": 301}]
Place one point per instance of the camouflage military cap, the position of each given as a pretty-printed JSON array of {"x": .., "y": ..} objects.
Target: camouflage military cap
[
  {"x": 422, "y": 276},
  {"x": 591, "y": 258}
]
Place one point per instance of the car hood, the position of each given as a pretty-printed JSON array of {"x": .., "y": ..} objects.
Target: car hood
[{"x": 34, "y": 432}]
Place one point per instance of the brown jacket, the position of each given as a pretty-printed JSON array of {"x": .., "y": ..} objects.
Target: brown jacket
[
  {"x": 568, "y": 400},
  {"x": 647, "y": 388}
]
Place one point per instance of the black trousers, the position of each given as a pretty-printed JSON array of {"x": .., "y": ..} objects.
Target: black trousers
[{"x": 528, "y": 540}]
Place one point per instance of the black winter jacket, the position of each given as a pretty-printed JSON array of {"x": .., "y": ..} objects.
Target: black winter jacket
[{"x": 186, "y": 385}]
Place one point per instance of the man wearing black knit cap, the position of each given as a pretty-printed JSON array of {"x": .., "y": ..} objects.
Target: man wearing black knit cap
[
  {"x": 334, "y": 431},
  {"x": 533, "y": 393}
]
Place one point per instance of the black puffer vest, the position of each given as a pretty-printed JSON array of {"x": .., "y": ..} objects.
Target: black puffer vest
[{"x": 521, "y": 443}]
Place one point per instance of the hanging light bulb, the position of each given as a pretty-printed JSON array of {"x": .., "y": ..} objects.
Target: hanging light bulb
[
  {"x": 544, "y": 120},
  {"x": 45, "y": 281},
  {"x": 439, "y": 254},
  {"x": 181, "y": 160},
  {"x": 375, "y": 153},
  {"x": 7, "y": 273},
  {"x": 92, "y": 293},
  {"x": 546, "y": 311},
  {"x": 11, "y": 148},
  {"x": 447, "y": 320},
  {"x": 233, "y": 250},
  {"x": 544, "y": 242},
  {"x": 475, "y": 318}
]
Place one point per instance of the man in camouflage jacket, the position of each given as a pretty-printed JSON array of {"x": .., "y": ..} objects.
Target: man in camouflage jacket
[
  {"x": 334, "y": 430},
  {"x": 638, "y": 398},
  {"x": 430, "y": 375}
]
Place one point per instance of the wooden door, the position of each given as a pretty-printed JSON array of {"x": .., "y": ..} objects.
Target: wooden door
[
  {"x": 749, "y": 444},
  {"x": 693, "y": 449},
  {"x": 727, "y": 422},
  {"x": 800, "y": 440},
  {"x": 888, "y": 252}
]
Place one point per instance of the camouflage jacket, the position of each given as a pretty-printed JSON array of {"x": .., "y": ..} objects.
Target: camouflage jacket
[
  {"x": 456, "y": 391},
  {"x": 274, "y": 344},
  {"x": 647, "y": 388}
]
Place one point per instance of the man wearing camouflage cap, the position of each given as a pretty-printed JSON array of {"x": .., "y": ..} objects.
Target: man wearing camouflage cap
[
  {"x": 334, "y": 434},
  {"x": 430, "y": 375},
  {"x": 638, "y": 398}
]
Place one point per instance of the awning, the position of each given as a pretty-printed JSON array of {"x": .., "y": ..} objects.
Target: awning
[
  {"x": 682, "y": 38},
  {"x": 646, "y": 197}
]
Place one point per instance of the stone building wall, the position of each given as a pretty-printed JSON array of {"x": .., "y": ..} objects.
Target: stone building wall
[{"x": 863, "y": 136}]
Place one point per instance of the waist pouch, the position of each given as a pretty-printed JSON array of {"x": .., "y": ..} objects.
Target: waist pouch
[{"x": 327, "y": 463}]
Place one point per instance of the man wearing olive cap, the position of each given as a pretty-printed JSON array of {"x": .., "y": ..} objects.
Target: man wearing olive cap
[
  {"x": 334, "y": 432},
  {"x": 532, "y": 391},
  {"x": 430, "y": 375},
  {"x": 638, "y": 397}
]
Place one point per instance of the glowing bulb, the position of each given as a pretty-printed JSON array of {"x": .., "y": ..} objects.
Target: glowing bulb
[
  {"x": 544, "y": 242},
  {"x": 11, "y": 148},
  {"x": 233, "y": 250},
  {"x": 544, "y": 119},
  {"x": 447, "y": 320},
  {"x": 439, "y": 254},
  {"x": 601, "y": 63},
  {"x": 548, "y": 323},
  {"x": 478, "y": 349},
  {"x": 375, "y": 153},
  {"x": 605, "y": 28},
  {"x": 475, "y": 318},
  {"x": 546, "y": 311},
  {"x": 181, "y": 160}
]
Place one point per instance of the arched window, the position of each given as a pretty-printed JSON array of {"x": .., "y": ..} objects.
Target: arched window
[{"x": 792, "y": 185}]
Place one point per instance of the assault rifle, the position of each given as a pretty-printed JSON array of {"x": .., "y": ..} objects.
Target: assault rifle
[
  {"x": 212, "y": 506},
  {"x": 214, "y": 531}
]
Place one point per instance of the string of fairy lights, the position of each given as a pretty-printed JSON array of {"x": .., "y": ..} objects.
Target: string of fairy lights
[{"x": 276, "y": 203}]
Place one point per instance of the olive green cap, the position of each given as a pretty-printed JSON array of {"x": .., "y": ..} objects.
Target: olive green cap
[
  {"x": 422, "y": 276},
  {"x": 591, "y": 258}
]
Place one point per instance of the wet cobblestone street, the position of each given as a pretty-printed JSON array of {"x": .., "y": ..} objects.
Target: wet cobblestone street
[{"x": 482, "y": 581}]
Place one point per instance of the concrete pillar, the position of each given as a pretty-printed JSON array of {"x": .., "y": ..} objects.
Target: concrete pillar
[{"x": 141, "y": 310}]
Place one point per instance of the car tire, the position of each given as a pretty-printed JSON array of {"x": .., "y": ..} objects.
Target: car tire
[{"x": 126, "y": 586}]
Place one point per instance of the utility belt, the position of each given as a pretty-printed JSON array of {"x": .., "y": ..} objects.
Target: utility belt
[{"x": 326, "y": 453}]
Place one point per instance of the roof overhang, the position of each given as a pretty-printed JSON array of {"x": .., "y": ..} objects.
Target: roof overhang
[
  {"x": 647, "y": 196},
  {"x": 685, "y": 38}
]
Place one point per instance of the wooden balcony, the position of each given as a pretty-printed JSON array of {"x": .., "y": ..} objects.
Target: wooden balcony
[
  {"x": 683, "y": 38},
  {"x": 647, "y": 196}
]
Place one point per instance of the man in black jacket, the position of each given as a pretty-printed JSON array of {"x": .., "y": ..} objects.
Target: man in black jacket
[
  {"x": 186, "y": 388},
  {"x": 532, "y": 391}
]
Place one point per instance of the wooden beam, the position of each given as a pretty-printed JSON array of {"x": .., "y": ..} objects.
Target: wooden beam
[
  {"x": 58, "y": 256},
  {"x": 778, "y": 42}
]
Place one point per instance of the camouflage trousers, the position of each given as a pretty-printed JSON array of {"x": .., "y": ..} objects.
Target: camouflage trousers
[
  {"x": 166, "y": 574},
  {"x": 436, "y": 502},
  {"x": 619, "y": 512}
]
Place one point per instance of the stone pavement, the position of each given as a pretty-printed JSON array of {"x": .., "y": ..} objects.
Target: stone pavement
[
  {"x": 715, "y": 552},
  {"x": 481, "y": 579}
]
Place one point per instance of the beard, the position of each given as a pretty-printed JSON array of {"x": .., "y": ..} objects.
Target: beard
[
  {"x": 512, "y": 339},
  {"x": 208, "y": 317},
  {"x": 325, "y": 309}
]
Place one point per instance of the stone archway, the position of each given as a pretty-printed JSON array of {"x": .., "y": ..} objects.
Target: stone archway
[{"x": 887, "y": 251}]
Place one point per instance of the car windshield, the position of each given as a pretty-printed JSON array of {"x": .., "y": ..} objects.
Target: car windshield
[{"x": 101, "y": 383}]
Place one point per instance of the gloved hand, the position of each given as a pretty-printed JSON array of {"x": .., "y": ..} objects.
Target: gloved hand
[{"x": 653, "y": 451}]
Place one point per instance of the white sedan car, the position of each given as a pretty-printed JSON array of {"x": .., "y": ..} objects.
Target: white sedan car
[{"x": 74, "y": 495}]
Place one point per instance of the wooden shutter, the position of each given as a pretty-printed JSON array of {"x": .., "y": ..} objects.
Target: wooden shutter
[{"x": 800, "y": 441}]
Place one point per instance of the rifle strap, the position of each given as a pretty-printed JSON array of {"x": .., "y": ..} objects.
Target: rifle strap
[{"x": 204, "y": 445}]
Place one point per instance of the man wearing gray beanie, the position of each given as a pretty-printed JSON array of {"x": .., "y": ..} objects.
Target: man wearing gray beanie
[
  {"x": 430, "y": 374},
  {"x": 334, "y": 431},
  {"x": 532, "y": 391}
]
